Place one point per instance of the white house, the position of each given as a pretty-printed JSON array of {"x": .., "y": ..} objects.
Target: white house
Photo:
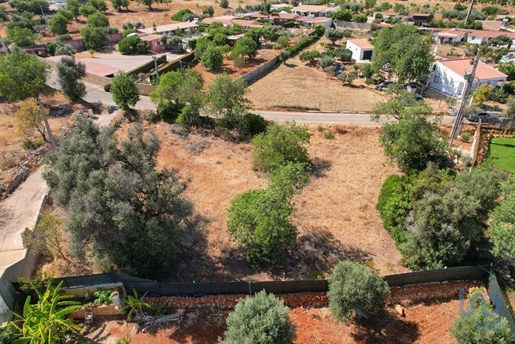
[
  {"x": 450, "y": 76},
  {"x": 450, "y": 36},
  {"x": 482, "y": 36},
  {"x": 361, "y": 49}
]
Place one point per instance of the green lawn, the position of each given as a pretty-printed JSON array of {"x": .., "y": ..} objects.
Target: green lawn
[{"x": 502, "y": 154}]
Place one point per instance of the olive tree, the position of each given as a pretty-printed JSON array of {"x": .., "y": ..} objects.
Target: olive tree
[
  {"x": 260, "y": 319},
  {"x": 69, "y": 74},
  {"x": 280, "y": 144},
  {"x": 354, "y": 287}
]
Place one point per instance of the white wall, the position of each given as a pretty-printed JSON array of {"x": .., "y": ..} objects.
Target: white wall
[
  {"x": 357, "y": 53},
  {"x": 446, "y": 81},
  {"x": 476, "y": 40}
]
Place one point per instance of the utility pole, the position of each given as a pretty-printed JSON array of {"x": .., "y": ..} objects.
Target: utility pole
[
  {"x": 45, "y": 119},
  {"x": 469, "y": 12},
  {"x": 157, "y": 71},
  {"x": 44, "y": 15},
  {"x": 468, "y": 86}
]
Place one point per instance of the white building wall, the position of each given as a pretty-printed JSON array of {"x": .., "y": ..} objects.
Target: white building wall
[
  {"x": 357, "y": 53},
  {"x": 477, "y": 40},
  {"x": 447, "y": 81}
]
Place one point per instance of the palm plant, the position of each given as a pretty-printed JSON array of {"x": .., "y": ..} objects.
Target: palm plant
[
  {"x": 133, "y": 305},
  {"x": 46, "y": 322}
]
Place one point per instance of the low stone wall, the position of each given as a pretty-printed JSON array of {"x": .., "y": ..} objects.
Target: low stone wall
[{"x": 145, "y": 89}]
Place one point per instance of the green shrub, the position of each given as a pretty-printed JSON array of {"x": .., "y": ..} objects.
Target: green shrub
[
  {"x": 103, "y": 297},
  {"x": 303, "y": 43},
  {"x": 466, "y": 136},
  {"x": 31, "y": 145},
  {"x": 394, "y": 204},
  {"x": 189, "y": 117},
  {"x": 355, "y": 286},
  {"x": 251, "y": 125},
  {"x": 328, "y": 135},
  {"x": 168, "y": 111},
  {"x": 260, "y": 319},
  {"x": 179, "y": 15}
]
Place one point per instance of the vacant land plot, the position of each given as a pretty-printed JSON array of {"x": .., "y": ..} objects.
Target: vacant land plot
[
  {"x": 502, "y": 154},
  {"x": 336, "y": 213}
]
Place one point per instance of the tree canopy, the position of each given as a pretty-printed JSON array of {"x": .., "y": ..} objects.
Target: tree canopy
[
  {"x": 480, "y": 325},
  {"x": 123, "y": 211},
  {"x": 124, "y": 91},
  {"x": 413, "y": 142},
  {"x": 22, "y": 76},
  {"x": 260, "y": 319},
  {"x": 355, "y": 286},
  {"x": 260, "y": 220},
  {"x": 404, "y": 51},
  {"x": 280, "y": 144},
  {"x": 502, "y": 226},
  {"x": 226, "y": 97},
  {"x": 93, "y": 37},
  {"x": 69, "y": 74}
]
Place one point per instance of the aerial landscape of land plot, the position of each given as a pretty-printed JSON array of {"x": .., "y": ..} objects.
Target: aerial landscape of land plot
[{"x": 219, "y": 171}]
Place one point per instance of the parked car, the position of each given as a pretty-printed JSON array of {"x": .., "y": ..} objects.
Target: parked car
[
  {"x": 485, "y": 117},
  {"x": 383, "y": 85}
]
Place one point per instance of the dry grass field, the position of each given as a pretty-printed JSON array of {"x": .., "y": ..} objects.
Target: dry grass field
[{"x": 336, "y": 213}]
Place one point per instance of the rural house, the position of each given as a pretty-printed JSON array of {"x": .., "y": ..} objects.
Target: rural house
[
  {"x": 450, "y": 76},
  {"x": 422, "y": 18},
  {"x": 361, "y": 49},
  {"x": 155, "y": 42},
  {"x": 482, "y": 36},
  {"x": 450, "y": 36}
]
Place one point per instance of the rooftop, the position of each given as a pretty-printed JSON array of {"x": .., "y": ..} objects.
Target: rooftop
[
  {"x": 491, "y": 34},
  {"x": 463, "y": 66},
  {"x": 314, "y": 8},
  {"x": 169, "y": 27},
  {"x": 362, "y": 43}
]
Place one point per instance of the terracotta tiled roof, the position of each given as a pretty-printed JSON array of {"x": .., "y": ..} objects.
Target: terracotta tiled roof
[
  {"x": 361, "y": 43},
  {"x": 463, "y": 66}
]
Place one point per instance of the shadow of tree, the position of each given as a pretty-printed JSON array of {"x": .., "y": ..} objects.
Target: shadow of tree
[
  {"x": 385, "y": 327},
  {"x": 319, "y": 167},
  {"x": 315, "y": 254}
]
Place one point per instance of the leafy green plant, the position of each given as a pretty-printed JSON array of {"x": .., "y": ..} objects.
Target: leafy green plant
[
  {"x": 103, "y": 297},
  {"x": 45, "y": 321},
  {"x": 124, "y": 341},
  {"x": 328, "y": 135},
  {"x": 133, "y": 305}
]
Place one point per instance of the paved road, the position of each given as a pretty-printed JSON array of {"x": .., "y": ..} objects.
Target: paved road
[{"x": 96, "y": 93}]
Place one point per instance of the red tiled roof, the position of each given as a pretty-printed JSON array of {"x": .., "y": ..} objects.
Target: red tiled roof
[
  {"x": 463, "y": 66},
  {"x": 362, "y": 43},
  {"x": 491, "y": 34}
]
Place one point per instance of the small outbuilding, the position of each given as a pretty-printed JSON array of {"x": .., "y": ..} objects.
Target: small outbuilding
[{"x": 361, "y": 49}]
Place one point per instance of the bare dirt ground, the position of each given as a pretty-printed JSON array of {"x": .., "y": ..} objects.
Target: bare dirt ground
[{"x": 424, "y": 322}]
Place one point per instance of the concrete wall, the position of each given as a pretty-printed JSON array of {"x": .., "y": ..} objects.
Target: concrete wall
[
  {"x": 260, "y": 71},
  {"x": 145, "y": 89}
]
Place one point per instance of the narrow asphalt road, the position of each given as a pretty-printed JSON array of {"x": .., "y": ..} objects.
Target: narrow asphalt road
[{"x": 96, "y": 93}]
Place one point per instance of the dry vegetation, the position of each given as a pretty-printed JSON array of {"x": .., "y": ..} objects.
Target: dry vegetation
[{"x": 10, "y": 140}]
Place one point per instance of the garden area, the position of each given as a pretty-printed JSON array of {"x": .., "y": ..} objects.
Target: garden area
[{"x": 502, "y": 153}]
